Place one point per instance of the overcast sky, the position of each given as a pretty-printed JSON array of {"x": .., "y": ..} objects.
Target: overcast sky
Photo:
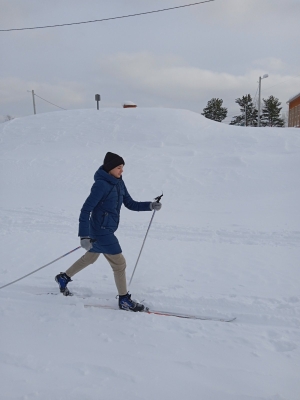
[{"x": 180, "y": 58}]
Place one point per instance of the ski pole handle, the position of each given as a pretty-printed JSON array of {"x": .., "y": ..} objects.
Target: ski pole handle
[{"x": 158, "y": 198}]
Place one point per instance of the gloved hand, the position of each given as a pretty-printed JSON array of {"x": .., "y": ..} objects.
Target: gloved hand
[
  {"x": 155, "y": 205},
  {"x": 86, "y": 243}
]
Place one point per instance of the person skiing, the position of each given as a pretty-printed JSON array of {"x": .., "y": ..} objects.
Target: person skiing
[{"x": 98, "y": 221}]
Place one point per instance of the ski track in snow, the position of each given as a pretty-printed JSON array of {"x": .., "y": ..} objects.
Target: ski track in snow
[
  {"x": 41, "y": 220},
  {"x": 250, "y": 310}
]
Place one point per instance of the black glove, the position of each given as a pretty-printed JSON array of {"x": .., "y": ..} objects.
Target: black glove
[{"x": 155, "y": 205}]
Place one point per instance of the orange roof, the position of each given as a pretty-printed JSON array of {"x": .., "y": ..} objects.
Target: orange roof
[{"x": 293, "y": 98}]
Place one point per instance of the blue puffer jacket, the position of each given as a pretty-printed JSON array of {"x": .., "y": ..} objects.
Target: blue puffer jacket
[{"x": 100, "y": 214}]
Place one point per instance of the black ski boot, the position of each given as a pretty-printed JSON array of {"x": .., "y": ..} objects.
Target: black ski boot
[
  {"x": 125, "y": 303},
  {"x": 63, "y": 279}
]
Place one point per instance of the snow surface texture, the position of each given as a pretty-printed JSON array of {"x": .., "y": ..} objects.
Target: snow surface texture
[{"x": 226, "y": 242}]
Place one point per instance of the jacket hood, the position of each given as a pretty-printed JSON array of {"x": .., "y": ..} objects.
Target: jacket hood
[{"x": 101, "y": 174}]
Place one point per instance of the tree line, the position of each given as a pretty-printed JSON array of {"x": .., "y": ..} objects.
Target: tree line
[{"x": 270, "y": 114}]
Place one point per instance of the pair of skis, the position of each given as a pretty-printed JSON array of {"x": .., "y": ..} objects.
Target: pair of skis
[{"x": 148, "y": 310}]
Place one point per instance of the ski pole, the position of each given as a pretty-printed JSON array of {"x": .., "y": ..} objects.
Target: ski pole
[
  {"x": 44, "y": 266},
  {"x": 158, "y": 200}
]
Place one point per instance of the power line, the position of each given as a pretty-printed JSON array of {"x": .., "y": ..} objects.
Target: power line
[
  {"x": 49, "y": 102},
  {"x": 279, "y": 83},
  {"x": 106, "y": 19}
]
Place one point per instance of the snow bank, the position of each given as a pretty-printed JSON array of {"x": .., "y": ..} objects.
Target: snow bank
[{"x": 226, "y": 242}]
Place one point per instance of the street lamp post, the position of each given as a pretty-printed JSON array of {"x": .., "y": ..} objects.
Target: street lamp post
[
  {"x": 97, "y": 98},
  {"x": 259, "y": 96}
]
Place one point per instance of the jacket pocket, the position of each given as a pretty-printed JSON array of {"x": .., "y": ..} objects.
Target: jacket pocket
[{"x": 104, "y": 220}]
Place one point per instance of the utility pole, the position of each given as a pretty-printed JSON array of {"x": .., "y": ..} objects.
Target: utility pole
[
  {"x": 33, "y": 99},
  {"x": 259, "y": 96},
  {"x": 246, "y": 115}
]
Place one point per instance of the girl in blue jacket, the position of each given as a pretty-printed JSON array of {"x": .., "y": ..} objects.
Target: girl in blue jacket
[{"x": 99, "y": 219}]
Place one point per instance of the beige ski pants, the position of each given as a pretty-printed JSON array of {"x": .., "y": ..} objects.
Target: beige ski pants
[{"x": 116, "y": 261}]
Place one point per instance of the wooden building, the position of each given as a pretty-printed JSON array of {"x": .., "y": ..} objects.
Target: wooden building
[
  {"x": 294, "y": 111},
  {"x": 129, "y": 104}
]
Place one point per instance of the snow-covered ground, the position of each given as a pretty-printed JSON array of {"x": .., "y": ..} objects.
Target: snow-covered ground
[{"x": 226, "y": 242}]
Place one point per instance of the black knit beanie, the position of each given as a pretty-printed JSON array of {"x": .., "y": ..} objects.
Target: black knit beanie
[{"x": 111, "y": 161}]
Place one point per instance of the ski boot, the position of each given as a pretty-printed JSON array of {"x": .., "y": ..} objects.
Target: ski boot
[
  {"x": 63, "y": 279},
  {"x": 125, "y": 303}
]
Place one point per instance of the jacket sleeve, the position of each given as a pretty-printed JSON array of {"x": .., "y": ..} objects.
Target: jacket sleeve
[
  {"x": 97, "y": 193},
  {"x": 135, "y": 205}
]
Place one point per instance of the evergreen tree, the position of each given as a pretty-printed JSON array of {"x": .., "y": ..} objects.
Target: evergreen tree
[
  {"x": 214, "y": 110},
  {"x": 271, "y": 112},
  {"x": 249, "y": 112}
]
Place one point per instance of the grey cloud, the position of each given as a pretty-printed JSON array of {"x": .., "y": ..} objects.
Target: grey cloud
[
  {"x": 168, "y": 77},
  {"x": 180, "y": 58}
]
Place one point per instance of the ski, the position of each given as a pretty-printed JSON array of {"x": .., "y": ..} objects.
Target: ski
[
  {"x": 191, "y": 316},
  {"x": 55, "y": 294},
  {"x": 168, "y": 313},
  {"x": 148, "y": 310}
]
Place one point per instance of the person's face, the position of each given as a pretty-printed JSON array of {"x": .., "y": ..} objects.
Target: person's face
[{"x": 117, "y": 172}]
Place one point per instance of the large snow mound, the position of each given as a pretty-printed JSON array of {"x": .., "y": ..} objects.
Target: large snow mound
[{"x": 226, "y": 242}]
